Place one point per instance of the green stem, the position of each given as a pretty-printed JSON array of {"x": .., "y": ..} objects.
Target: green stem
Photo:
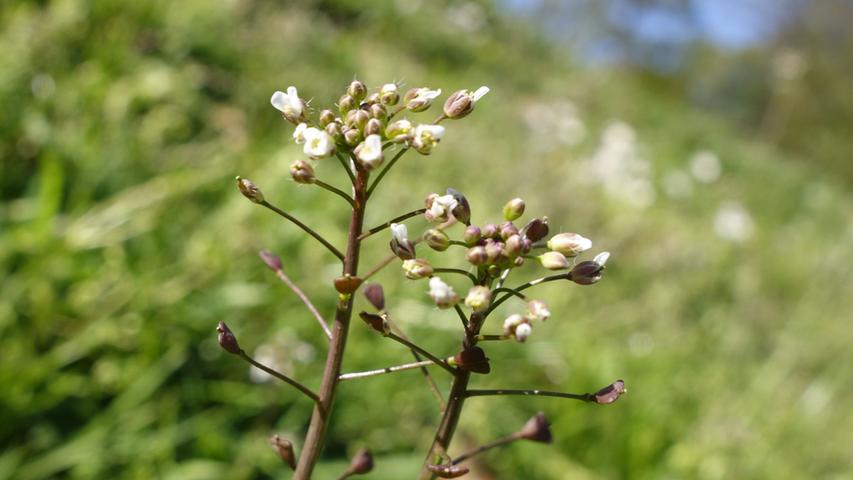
[
  {"x": 335, "y": 190},
  {"x": 584, "y": 397},
  {"x": 382, "y": 371},
  {"x": 346, "y": 166},
  {"x": 525, "y": 286},
  {"x": 387, "y": 224},
  {"x": 496, "y": 443},
  {"x": 280, "y": 376},
  {"x": 457, "y": 271},
  {"x": 385, "y": 171}
]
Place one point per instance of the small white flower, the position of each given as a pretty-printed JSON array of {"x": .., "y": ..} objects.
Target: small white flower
[
  {"x": 601, "y": 258},
  {"x": 439, "y": 207},
  {"x": 417, "y": 268},
  {"x": 369, "y": 153},
  {"x": 442, "y": 293},
  {"x": 523, "y": 331},
  {"x": 569, "y": 244},
  {"x": 479, "y": 93},
  {"x": 318, "y": 143},
  {"x": 399, "y": 131},
  {"x": 299, "y": 133},
  {"x": 288, "y": 103},
  {"x": 512, "y": 322},
  {"x": 478, "y": 298},
  {"x": 400, "y": 232},
  {"x": 539, "y": 310},
  {"x": 426, "y": 137},
  {"x": 421, "y": 99}
]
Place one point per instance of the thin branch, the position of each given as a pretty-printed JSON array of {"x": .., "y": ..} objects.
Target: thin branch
[
  {"x": 525, "y": 286},
  {"x": 441, "y": 363},
  {"x": 511, "y": 292},
  {"x": 346, "y": 166},
  {"x": 456, "y": 270},
  {"x": 461, "y": 316},
  {"x": 379, "y": 266},
  {"x": 385, "y": 171},
  {"x": 485, "y": 338},
  {"x": 396, "y": 111},
  {"x": 281, "y": 376},
  {"x": 381, "y": 371},
  {"x": 306, "y": 228},
  {"x": 459, "y": 242},
  {"x": 488, "y": 446},
  {"x": 503, "y": 278},
  {"x": 280, "y": 274},
  {"x": 336, "y": 191},
  {"x": 584, "y": 397},
  {"x": 387, "y": 224},
  {"x": 427, "y": 376}
]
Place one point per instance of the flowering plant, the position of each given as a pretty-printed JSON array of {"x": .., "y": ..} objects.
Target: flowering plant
[{"x": 359, "y": 134}]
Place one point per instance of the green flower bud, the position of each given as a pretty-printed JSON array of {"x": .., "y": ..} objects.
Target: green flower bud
[
  {"x": 514, "y": 209},
  {"x": 326, "y": 117},
  {"x": 554, "y": 261},
  {"x": 436, "y": 239},
  {"x": 378, "y": 111},
  {"x": 417, "y": 268},
  {"x": 347, "y": 104},
  {"x": 357, "y": 90},
  {"x": 352, "y": 137},
  {"x": 388, "y": 94}
]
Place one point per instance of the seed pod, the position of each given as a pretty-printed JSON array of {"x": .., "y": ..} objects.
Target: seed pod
[
  {"x": 610, "y": 393},
  {"x": 537, "y": 429},
  {"x": 473, "y": 360},
  {"x": 375, "y": 295}
]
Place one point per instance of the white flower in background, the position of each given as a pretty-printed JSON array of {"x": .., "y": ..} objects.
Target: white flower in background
[
  {"x": 512, "y": 322},
  {"x": 539, "y": 310},
  {"x": 569, "y": 244},
  {"x": 318, "y": 143},
  {"x": 553, "y": 125},
  {"x": 705, "y": 166},
  {"x": 427, "y": 137},
  {"x": 288, "y": 104},
  {"x": 478, "y": 298},
  {"x": 399, "y": 232},
  {"x": 440, "y": 207},
  {"x": 677, "y": 184},
  {"x": 468, "y": 16},
  {"x": 602, "y": 258},
  {"x": 523, "y": 331},
  {"x": 369, "y": 153},
  {"x": 733, "y": 222},
  {"x": 442, "y": 293},
  {"x": 419, "y": 99},
  {"x": 299, "y": 133},
  {"x": 620, "y": 167}
]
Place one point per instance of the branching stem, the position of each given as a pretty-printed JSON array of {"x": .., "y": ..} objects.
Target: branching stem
[
  {"x": 457, "y": 271},
  {"x": 387, "y": 224},
  {"x": 441, "y": 363},
  {"x": 488, "y": 446},
  {"x": 335, "y": 190},
  {"x": 302, "y": 388},
  {"x": 280, "y": 274},
  {"x": 385, "y": 171}
]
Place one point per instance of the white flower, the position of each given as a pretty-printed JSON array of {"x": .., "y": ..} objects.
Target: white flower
[
  {"x": 478, "y": 298},
  {"x": 512, "y": 322},
  {"x": 420, "y": 99},
  {"x": 369, "y": 153},
  {"x": 400, "y": 232},
  {"x": 417, "y": 268},
  {"x": 399, "y": 131},
  {"x": 288, "y": 103},
  {"x": 426, "y": 137},
  {"x": 538, "y": 309},
  {"x": 318, "y": 143},
  {"x": 299, "y": 133},
  {"x": 439, "y": 207},
  {"x": 569, "y": 244},
  {"x": 523, "y": 331},
  {"x": 601, "y": 258},
  {"x": 442, "y": 293}
]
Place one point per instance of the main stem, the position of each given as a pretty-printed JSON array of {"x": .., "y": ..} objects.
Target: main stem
[{"x": 323, "y": 409}]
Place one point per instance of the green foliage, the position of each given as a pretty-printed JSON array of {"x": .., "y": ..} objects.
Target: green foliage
[{"x": 123, "y": 242}]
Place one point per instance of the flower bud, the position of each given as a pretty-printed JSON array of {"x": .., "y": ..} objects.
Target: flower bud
[
  {"x": 511, "y": 323},
  {"x": 347, "y": 284},
  {"x": 417, "y": 268},
  {"x": 539, "y": 310},
  {"x": 250, "y": 190},
  {"x": 471, "y": 235},
  {"x": 352, "y": 137},
  {"x": 442, "y": 294},
  {"x": 271, "y": 260},
  {"x": 478, "y": 298},
  {"x": 554, "y": 261},
  {"x": 302, "y": 172},
  {"x": 399, "y": 131},
  {"x": 602, "y": 258},
  {"x": 586, "y": 273},
  {"x": 292, "y": 107},
  {"x": 375, "y": 295},
  {"x": 357, "y": 119},
  {"x": 284, "y": 449},
  {"x": 227, "y": 340},
  {"x": 514, "y": 209},
  {"x": 508, "y": 229},
  {"x": 369, "y": 152},
  {"x": 326, "y": 117},
  {"x": 494, "y": 250},
  {"x": 373, "y": 127},
  {"x": 361, "y": 463},
  {"x": 357, "y": 90},
  {"x": 436, "y": 239},
  {"x": 536, "y": 229},
  {"x": 371, "y": 99},
  {"x": 513, "y": 246},
  {"x": 388, "y": 94},
  {"x": 569, "y": 244},
  {"x": 376, "y": 322},
  {"x": 537, "y": 429},
  {"x": 400, "y": 243},
  {"x": 472, "y": 360},
  {"x": 347, "y": 104},
  {"x": 420, "y": 99},
  {"x": 426, "y": 137},
  {"x": 477, "y": 256},
  {"x": 299, "y": 133},
  {"x": 518, "y": 261},
  {"x": 378, "y": 112},
  {"x": 462, "y": 211},
  {"x": 333, "y": 130},
  {"x": 610, "y": 393},
  {"x": 461, "y": 103},
  {"x": 448, "y": 471},
  {"x": 522, "y": 332},
  {"x": 490, "y": 230}
]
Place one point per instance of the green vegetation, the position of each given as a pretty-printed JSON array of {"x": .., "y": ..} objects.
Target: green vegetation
[{"x": 725, "y": 307}]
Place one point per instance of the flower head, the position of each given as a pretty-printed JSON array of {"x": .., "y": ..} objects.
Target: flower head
[
  {"x": 289, "y": 104},
  {"x": 439, "y": 207},
  {"x": 318, "y": 143},
  {"x": 442, "y": 293},
  {"x": 369, "y": 153},
  {"x": 478, "y": 298},
  {"x": 420, "y": 99},
  {"x": 461, "y": 103},
  {"x": 427, "y": 137}
]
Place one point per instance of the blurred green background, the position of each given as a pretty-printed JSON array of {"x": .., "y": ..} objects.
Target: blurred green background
[{"x": 717, "y": 171}]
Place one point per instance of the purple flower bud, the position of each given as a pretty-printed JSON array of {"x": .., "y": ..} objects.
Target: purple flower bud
[
  {"x": 448, "y": 471},
  {"x": 284, "y": 449},
  {"x": 508, "y": 229},
  {"x": 361, "y": 463},
  {"x": 227, "y": 340},
  {"x": 536, "y": 229},
  {"x": 356, "y": 90},
  {"x": 271, "y": 260},
  {"x": 347, "y": 284},
  {"x": 375, "y": 295},
  {"x": 513, "y": 246},
  {"x": 477, "y": 256},
  {"x": 610, "y": 393},
  {"x": 462, "y": 211},
  {"x": 490, "y": 230},
  {"x": 473, "y": 360},
  {"x": 494, "y": 250},
  {"x": 537, "y": 429},
  {"x": 587, "y": 272},
  {"x": 513, "y": 209},
  {"x": 376, "y": 322},
  {"x": 471, "y": 235},
  {"x": 250, "y": 190}
]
